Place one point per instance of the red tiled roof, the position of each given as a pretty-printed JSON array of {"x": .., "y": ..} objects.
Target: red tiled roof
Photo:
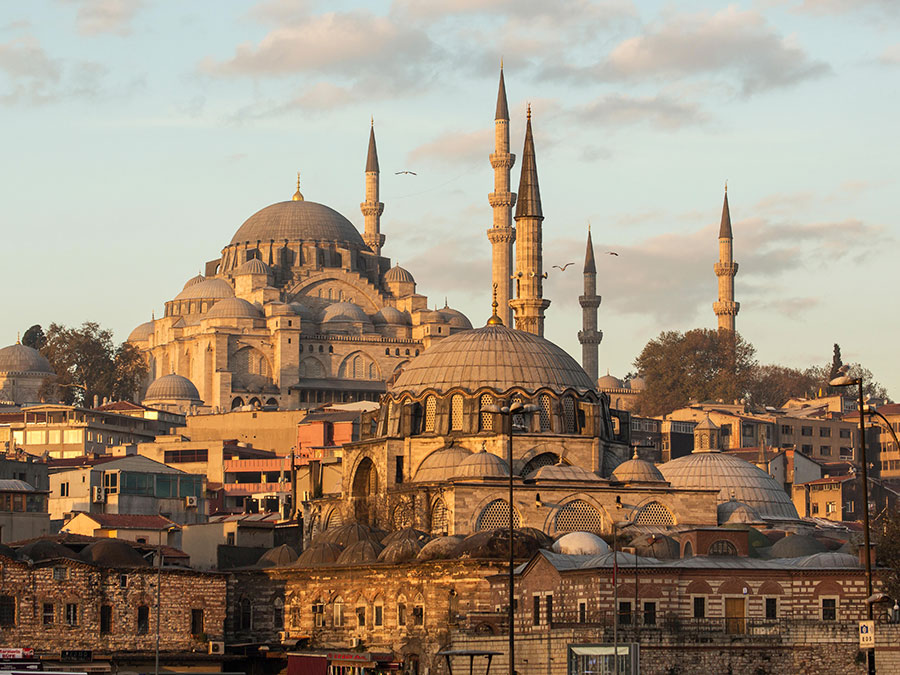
[
  {"x": 830, "y": 479},
  {"x": 889, "y": 409},
  {"x": 128, "y": 521},
  {"x": 84, "y": 460}
]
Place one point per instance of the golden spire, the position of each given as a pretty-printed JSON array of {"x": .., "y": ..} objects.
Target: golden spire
[
  {"x": 726, "y": 186},
  {"x": 18, "y": 338},
  {"x": 495, "y": 320},
  {"x": 528, "y": 110},
  {"x": 298, "y": 196}
]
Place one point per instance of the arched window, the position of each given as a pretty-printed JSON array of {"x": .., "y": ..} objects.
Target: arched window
[
  {"x": 338, "y": 612},
  {"x": 361, "y": 612},
  {"x": 545, "y": 412},
  {"x": 278, "y": 614},
  {"x": 378, "y": 612},
  {"x": 654, "y": 513},
  {"x": 569, "y": 414},
  {"x": 723, "y": 547},
  {"x": 487, "y": 418},
  {"x": 401, "y": 610},
  {"x": 456, "y": 412},
  {"x": 688, "y": 550},
  {"x": 536, "y": 462},
  {"x": 237, "y": 402},
  {"x": 430, "y": 409},
  {"x": 419, "y": 611},
  {"x": 333, "y": 519},
  {"x": 295, "y": 614},
  {"x": 403, "y": 515},
  {"x": 578, "y": 515},
  {"x": 365, "y": 482},
  {"x": 246, "y": 614},
  {"x": 439, "y": 517},
  {"x": 496, "y": 514}
]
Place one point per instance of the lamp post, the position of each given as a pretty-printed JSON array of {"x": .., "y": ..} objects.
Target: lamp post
[
  {"x": 507, "y": 412},
  {"x": 159, "y": 558},
  {"x": 844, "y": 380}
]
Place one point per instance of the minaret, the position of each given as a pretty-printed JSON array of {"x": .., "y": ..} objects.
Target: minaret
[
  {"x": 726, "y": 308},
  {"x": 589, "y": 336},
  {"x": 529, "y": 304},
  {"x": 502, "y": 235},
  {"x": 372, "y": 208}
]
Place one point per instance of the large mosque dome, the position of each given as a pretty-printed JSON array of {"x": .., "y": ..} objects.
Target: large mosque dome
[
  {"x": 18, "y": 358},
  {"x": 733, "y": 478},
  {"x": 298, "y": 221},
  {"x": 493, "y": 357}
]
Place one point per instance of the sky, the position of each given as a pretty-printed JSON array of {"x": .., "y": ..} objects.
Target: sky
[{"x": 139, "y": 135}]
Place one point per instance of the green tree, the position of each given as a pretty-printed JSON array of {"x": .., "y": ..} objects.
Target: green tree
[
  {"x": 836, "y": 362},
  {"x": 871, "y": 387},
  {"x": 773, "y": 385},
  {"x": 699, "y": 365},
  {"x": 887, "y": 550},
  {"x": 34, "y": 337},
  {"x": 130, "y": 369}
]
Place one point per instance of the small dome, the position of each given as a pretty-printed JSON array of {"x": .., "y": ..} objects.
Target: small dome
[
  {"x": 830, "y": 560},
  {"x": 18, "y": 358},
  {"x": 637, "y": 383},
  {"x": 208, "y": 289},
  {"x": 278, "y": 557},
  {"x": 659, "y": 546},
  {"x": 406, "y": 533},
  {"x": 580, "y": 543},
  {"x": 319, "y": 555},
  {"x": 441, "y": 465},
  {"x": 193, "y": 281},
  {"x": 796, "y": 546},
  {"x": 734, "y": 512},
  {"x": 253, "y": 266},
  {"x": 142, "y": 333},
  {"x": 304, "y": 312},
  {"x": 442, "y": 548},
  {"x": 360, "y": 553},
  {"x": 482, "y": 465},
  {"x": 112, "y": 553},
  {"x": 299, "y": 221},
  {"x": 401, "y": 551},
  {"x": 609, "y": 382},
  {"x": 563, "y": 472},
  {"x": 392, "y": 316},
  {"x": 172, "y": 387},
  {"x": 456, "y": 319},
  {"x": 494, "y": 544},
  {"x": 46, "y": 549},
  {"x": 233, "y": 308},
  {"x": 637, "y": 470},
  {"x": 344, "y": 311},
  {"x": 346, "y": 535},
  {"x": 398, "y": 274}
]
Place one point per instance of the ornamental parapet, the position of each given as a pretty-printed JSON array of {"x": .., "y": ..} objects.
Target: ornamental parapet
[{"x": 726, "y": 269}]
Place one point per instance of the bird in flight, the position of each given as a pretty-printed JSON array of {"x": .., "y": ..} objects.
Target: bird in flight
[
  {"x": 612, "y": 253},
  {"x": 563, "y": 268},
  {"x": 411, "y": 173}
]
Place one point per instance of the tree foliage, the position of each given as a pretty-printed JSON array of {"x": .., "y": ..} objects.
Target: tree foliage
[
  {"x": 34, "y": 337},
  {"x": 88, "y": 364},
  {"x": 772, "y": 385},
  {"x": 698, "y": 365},
  {"x": 887, "y": 550}
]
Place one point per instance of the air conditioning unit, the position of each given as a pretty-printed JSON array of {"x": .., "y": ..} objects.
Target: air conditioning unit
[
  {"x": 190, "y": 502},
  {"x": 282, "y": 635},
  {"x": 98, "y": 494},
  {"x": 354, "y": 643},
  {"x": 217, "y": 648}
]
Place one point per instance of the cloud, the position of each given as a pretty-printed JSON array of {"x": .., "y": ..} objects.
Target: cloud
[
  {"x": 25, "y": 59},
  {"x": 845, "y": 6},
  {"x": 891, "y": 55},
  {"x": 463, "y": 147},
  {"x": 317, "y": 98},
  {"x": 617, "y": 110},
  {"x": 106, "y": 16}
]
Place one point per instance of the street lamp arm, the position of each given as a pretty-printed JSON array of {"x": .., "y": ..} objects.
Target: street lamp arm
[{"x": 871, "y": 411}]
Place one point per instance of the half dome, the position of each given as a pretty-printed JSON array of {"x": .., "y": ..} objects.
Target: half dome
[
  {"x": 441, "y": 465},
  {"x": 142, "y": 332},
  {"x": 298, "y": 221},
  {"x": 18, "y": 358},
  {"x": 392, "y": 316},
  {"x": 580, "y": 543}
]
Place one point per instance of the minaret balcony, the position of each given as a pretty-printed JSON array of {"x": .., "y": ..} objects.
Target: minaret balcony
[
  {"x": 502, "y": 160},
  {"x": 372, "y": 208},
  {"x": 726, "y": 308},
  {"x": 724, "y": 269},
  {"x": 505, "y": 199},
  {"x": 589, "y": 301},
  {"x": 501, "y": 235},
  {"x": 590, "y": 337}
]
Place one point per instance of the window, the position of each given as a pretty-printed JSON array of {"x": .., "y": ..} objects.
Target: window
[
  {"x": 807, "y": 449},
  {"x": 63, "y": 489},
  {"x": 486, "y": 417},
  {"x": 830, "y": 507},
  {"x": 829, "y": 609},
  {"x": 48, "y": 615},
  {"x": 545, "y": 412},
  {"x": 378, "y": 618},
  {"x": 430, "y": 409},
  {"x": 787, "y": 430},
  {"x": 318, "y": 612},
  {"x": 722, "y": 547},
  {"x": 71, "y": 614},
  {"x": 824, "y": 432},
  {"x": 747, "y": 430},
  {"x": 143, "y": 620},
  {"x": 106, "y": 618},
  {"x": 229, "y": 539},
  {"x": 699, "y": 607},
  {"x": 246, "y": 614},
  {"x": 401, "y": 612},
  {"x": 654, "y": 513},
  {"x": 419, "y": 611},
  {"x": 771, "y": 608},
  {"x": 60, "y": 573},
  {"x": 496, "y": 514},
  {"x": 456, "y": 412},
  {"x": 549, "y": 610},
  {"x": 582, "y": 611},
  {"x": 361, "y": 617},
  {"x": 846, "y": 453},
  {"x": 278, "y": 614},
  {"x": 536, "y": 610},
  {"x": 825, "y": 450},
  {"x": 111, "y": 483},
  {"x": 806, "y": 431},
  {"x": 624, "y": 613},
  {"x": 649, "y": 613},
  {"x": 197, "y": 621},
  {"x": 815, "y": 508},
  {"x": 845, "y": 433},
  {"x": 398, "y": 469},
  {"x": 338, "y": 612},
  {"x": 7, "y": 611}
]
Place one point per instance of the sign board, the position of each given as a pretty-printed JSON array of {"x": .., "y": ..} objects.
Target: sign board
[
  {"x": 16, "y": 653},
  {"x": 867, "y": 634}
]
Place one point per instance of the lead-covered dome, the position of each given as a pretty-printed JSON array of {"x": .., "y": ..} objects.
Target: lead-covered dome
[
  {"x": 208, "y": 289},
  {"x": 298, "y": 221},
  {"x": 344, "y": 311},
  {"x": 233, "y": 308},
  {"x": 482, "y": 465},
  {"x": 142, "y": 332},
  {"x": 399, "y": 274},
  {"x": 441, "y": 465},
  {"x": 734, "y": 479},
  {"x": 172, "y": 387},
  {"x": 637, "y": 470},
  {"x": 18, "y": 358},
  {"x": 253, "y": 266},
  {"x": 494, "y": 357}
]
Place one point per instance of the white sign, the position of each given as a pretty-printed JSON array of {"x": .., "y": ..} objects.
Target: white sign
[
  {"x": 866, "y": 634},
  {"x": 16, "y": 653}
]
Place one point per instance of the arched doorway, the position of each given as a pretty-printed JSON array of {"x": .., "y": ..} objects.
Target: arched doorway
[{"x": 365, "y": 486}]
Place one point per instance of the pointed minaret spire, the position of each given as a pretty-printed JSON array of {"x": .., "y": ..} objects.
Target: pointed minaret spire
[
  {"x": 502, "y": 235},
  {"x": 589, "y": 336},
  {"x": 726, "y": 308},
  {"x": 372, "y": 208},
  {"x": 529, "y": 304}
]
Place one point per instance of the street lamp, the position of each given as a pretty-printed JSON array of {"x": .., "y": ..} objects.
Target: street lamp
[
  {"x": 159, "y": 561},
  {"x": 844, "y": 380},
  {"x": 507, "y": 412}
]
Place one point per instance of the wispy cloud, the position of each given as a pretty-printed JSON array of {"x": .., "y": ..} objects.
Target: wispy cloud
[
  {"x": 616, "y": 110},
  {"x": 464, "y": 147},
  {"x": 106, "y": 16},
  {"x": 846, "y": 6}
]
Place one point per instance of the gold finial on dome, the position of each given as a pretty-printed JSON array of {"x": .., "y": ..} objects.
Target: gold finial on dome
[
  {"x": 495, "y": 320},
  {"x": 528, "y": 110},
  {"x": 298, "y": 196}
]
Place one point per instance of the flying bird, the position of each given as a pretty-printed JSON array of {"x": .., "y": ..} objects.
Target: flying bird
[
  {"x": 612, "y": 253},
  {"x": 411, "y": 173},
  {"x": 563, "y": 268}
]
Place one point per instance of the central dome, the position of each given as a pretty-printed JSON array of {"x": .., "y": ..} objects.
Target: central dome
[
  {"x": 298, "y": 221},
  {"x": 493, "y": 357}
]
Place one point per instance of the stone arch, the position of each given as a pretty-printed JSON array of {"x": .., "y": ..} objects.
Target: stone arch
[
  {"x": 722, "y": 547},
  {"x": 440, "y": 517},
  {"x": 308, "y": 288},
  {"x": 654, "y": 513},
  {"x": 699, "y": 587},
  {"x": 363, "y": 490},
  {"x": 539, "y": 460},
  {"x": 404, "y": 514},
  {"x": 828, "y": 587},
  {"x": 312, "y": 367},
  {"x": 333, "y": 519},
  {"x": 249, "y": 367},
  {"x": 734, "y": 587},
  {"x": 496, "y": 515},
  {"x": 579, "y": 515},
  {"x": 359, "y": 366},
  {"x": 770, "y": 588},
  {"x": 237, "y": 402}
]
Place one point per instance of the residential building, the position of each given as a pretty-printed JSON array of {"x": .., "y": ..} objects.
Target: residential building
[{"x": 141, "y": 529}]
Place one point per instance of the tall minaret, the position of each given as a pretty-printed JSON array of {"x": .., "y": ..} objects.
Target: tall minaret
[
  {"x": 502, "y": 235},
  {"x": 529, "y": 304},
  {"x": 726, "y": 308},
  {"x": 372, "y": 208},
  {"x": 589, "y": 336}
]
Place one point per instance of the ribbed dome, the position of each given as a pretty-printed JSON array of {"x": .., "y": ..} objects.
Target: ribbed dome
[
  {"x": 209, "y": 289},
  {"x": 193, "y": 280},
  {"x": 18, "y": 358},
  {"x": 360, "y": 553},
  {"x": 172, "y": 387},
  {"x": 636, "y": 470},
  {"x": 344, "y": 311},
  {"x": 45, "y": 549},
  {"x": 580, "y": 543},
  {"x": 253, "y": 266},
  {"x": 142, "y": 332},
  {"x": 482, "y": 465},
  {"x": 278, "y": 556},
  {"x": 233, "y": 308},
  {"x": 563, "y": 472},
  {"x": 637, "y": 384},
  {"x": 391, "y": 315},
  {"x": 399, "y": 274},
  {"x": 298, "y": 221},
  {"x": 733, "y": 478},
  {"x": 493, "y": 356},
  {"x": 609, "y": 382},
  {"x": 304, "y": 312},
  {"x": 401, "y": 551},
  {"x": 455, "y": 318},
  {"x": 441, "y": 465},
  {"x": 318, "y": 555}
]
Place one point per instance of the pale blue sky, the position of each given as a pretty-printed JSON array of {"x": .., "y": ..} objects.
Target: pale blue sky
[{"x": 139, "y": 135}]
